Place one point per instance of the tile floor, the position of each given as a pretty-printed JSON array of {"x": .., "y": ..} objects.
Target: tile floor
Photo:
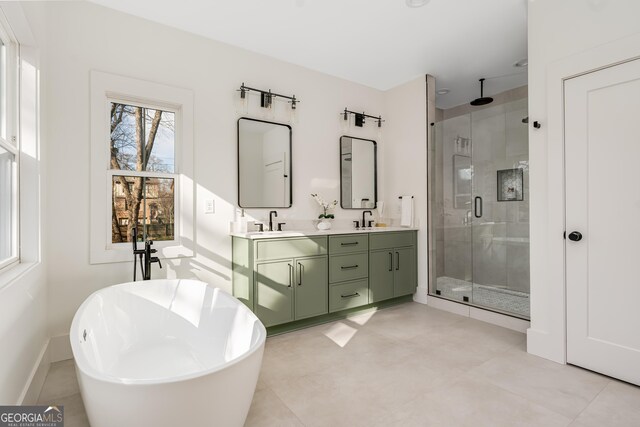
[{"x": 410, "y": 365}]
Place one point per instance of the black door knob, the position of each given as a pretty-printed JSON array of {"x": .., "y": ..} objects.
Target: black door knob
[{"x": 575, "y": 236}]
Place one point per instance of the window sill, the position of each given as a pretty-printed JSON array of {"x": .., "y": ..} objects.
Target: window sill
[{"x": 16, "y": 272}]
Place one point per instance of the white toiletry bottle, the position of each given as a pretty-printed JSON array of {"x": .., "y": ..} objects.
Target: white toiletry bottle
[{"x": 243, "y": 222}]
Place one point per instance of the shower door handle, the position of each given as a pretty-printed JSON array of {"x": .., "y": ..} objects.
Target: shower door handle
[{"x": 477, "y": 207}]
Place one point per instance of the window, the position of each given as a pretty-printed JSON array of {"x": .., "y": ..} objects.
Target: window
[
  {"x": 142, "y": 141},
  {"x": 9, "y": 152},
  {"x": 141, "y": 154}
]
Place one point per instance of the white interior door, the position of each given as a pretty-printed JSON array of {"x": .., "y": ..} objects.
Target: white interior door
[{"x": 602, "y": 143}]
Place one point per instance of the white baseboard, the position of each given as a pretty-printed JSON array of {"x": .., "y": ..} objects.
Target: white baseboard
[
  {"x": 421, "y": 295},
  {"x": 538, "y": 345},
  {"x": 55, "y": 349},
  {"x": 60, "y": 348},
  {"x": 32, "y": 388},
  {"x": 450, "y": 306},
  {"x": 497, "y": 319}
]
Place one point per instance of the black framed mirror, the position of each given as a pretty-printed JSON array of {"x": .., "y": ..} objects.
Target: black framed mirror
[
  {"x": 264, "y": 164},
  {"x": 358, "y": 173}
]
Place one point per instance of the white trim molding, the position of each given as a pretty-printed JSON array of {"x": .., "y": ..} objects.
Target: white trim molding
[
  {"x": 106, "y": 87},
  {"x": 547, "y": 335},
  {"x": 498, "y": 319}
]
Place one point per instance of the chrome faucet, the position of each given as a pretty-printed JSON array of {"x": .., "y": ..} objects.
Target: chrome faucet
[
  {"x": 364, "y": 224},
  {"x": 271, "y": 215},
  {"x": 144, "y": 255}
]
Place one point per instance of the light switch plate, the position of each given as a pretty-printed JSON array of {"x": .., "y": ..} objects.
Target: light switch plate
[{"x": 209, "y": 206}]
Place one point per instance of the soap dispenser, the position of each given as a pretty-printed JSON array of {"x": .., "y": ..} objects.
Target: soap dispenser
[{"x": 243, "y": 222}]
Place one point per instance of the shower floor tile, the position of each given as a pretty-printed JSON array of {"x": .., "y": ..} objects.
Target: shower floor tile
[{"x": 493, "y": 297}]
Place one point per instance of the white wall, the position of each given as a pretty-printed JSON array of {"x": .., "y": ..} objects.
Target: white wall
[
  {"x": 23, "y": 290},
  {"x": 565, "y": 35},
  {"x": 79, "y": 37},
  {"x": 403, "y": 161}
]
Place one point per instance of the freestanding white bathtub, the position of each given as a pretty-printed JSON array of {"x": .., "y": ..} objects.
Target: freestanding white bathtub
[{"x": 166, "y": 353}]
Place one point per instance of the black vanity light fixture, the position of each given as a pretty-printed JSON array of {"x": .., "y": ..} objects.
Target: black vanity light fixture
[
  {"x": 360, "y": 118},
  {"x": 266, "y": 100}
]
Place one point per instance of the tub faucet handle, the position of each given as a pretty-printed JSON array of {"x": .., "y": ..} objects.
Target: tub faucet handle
[{"x": 156, "y": 259}]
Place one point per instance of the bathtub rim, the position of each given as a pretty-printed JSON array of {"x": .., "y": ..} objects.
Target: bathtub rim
[{"x": 83, "y": 365}]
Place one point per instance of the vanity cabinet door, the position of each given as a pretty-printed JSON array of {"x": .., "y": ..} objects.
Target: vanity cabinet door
[
  {"x": 274, "y": 292},
  {"x": 404, "y": 271},
  {"x": 311, "y": 287},
  {"x": 381, "y": 275}
]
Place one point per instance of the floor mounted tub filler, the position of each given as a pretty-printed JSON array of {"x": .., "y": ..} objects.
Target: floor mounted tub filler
[{"x": 166, "y": 353}]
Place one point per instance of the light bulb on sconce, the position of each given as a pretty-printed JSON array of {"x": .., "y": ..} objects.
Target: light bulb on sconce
[
  {"x": 271, "y": 111},
  {"x": 266, "y": 101},
  {"x": 345, "y": 121},
  {"x": 293, "y": 115},
  {"x": 242, "y": 102}
]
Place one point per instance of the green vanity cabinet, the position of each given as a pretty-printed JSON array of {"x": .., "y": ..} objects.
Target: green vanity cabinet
[
  {"x": 282, "y": 280},
  {"x": 392, "y": 265},
  {"x": 404, "y": 271},
  {"x": 311, "y": 293},
  {"x": 348, "y": 271},
  {"x": 381, "y": 274},
  {"x": 289, "y": 279},
  {"x": 290, "y": 290},
  {"x": 274, "y": 292}
]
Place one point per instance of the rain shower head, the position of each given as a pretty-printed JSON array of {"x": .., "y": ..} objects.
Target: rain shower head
[{"x": 483, "y": 100}]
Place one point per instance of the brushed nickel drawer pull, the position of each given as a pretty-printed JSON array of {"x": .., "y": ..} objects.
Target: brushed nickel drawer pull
[
  {"x": 349, "y": 267},
  {"x": 350, "y": 295},
  {"x": 349, "y": 244}
]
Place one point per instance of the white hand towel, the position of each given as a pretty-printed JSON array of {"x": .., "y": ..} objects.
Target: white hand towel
[{"x": 406, "y": 220}]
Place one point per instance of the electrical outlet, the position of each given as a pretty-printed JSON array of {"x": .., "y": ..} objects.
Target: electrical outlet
[{"x": 209, "y": 206}]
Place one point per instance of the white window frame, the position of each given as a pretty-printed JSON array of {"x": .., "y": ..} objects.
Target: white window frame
[
  {"x": 105, "y": 89},
  {"x": 10, "y": 140}
]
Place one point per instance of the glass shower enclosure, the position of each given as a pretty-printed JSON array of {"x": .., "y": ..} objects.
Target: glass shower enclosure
[{"x": 479, "y": 205}]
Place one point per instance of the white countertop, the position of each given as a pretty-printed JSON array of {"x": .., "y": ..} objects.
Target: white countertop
[{"x": 295, "y": 233}]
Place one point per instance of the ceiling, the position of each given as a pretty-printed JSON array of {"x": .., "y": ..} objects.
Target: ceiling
[{"x": 378, "y": 43}]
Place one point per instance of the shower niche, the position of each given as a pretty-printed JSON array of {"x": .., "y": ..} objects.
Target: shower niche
[{"x": 510, "y": 185}]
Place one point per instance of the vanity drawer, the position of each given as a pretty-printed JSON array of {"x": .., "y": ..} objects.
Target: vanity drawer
[
  {"x": 348, "y": 295},
  {"x": 348, "y": 267},
  {"x": 290, "y": 248},
  {"x": 382, "y": 240},
  {"x": 348, "y": 243}
]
